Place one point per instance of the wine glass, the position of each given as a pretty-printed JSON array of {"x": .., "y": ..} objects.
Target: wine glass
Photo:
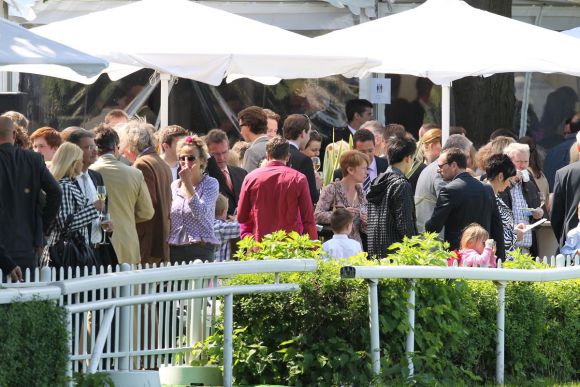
[
  {"x": 105, "y": 221},
  {"x": 316, "y": 163},
  {"x": 101, "y": 193}
]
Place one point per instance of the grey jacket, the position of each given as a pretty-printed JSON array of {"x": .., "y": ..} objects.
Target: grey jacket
[
  {"x": 428, "y": 187},
  {"x": 255, "y": 154}
]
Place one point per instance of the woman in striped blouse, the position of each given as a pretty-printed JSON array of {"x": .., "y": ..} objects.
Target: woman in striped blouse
[
  {"x": 67, "y": 164},
  {"x": 500, "y": 170}
]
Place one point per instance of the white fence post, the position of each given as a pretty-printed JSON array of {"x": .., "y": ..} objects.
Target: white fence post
[
  {"x": 560, "y": 260},
  {"x": 228, "y": 339},
  {"x": 125, "y": 325},
  {"x": 374, "y": 325},
  {"x": 499, "y": 366},
  {"x": 411, "y": 334}
]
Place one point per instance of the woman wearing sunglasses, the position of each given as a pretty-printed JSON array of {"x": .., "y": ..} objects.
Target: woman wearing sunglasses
[{"x": 193, "y": 205}]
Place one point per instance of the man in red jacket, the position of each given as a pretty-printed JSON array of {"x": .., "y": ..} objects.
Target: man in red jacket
[{"x": 276, "y": 197}]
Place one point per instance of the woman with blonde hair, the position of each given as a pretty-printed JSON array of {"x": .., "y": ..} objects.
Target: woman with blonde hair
[
  {"x": 346, "y": 193},
  {"x": 75, "y": 213},
  {"x": 194, "y": 195}
]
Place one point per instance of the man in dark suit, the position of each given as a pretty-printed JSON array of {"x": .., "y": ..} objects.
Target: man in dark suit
[
  {"x": 230, "y": 178},
  {"x": 364, "y": 141},
  {"x": 24, "y": 217},
  {"x": 88, "y": 181},
  {"x": 358, "y": 111},
  {"x": 566, "y": 199},
  {"x": 297, "y": 131},
  {"x": 464, "y": 200}
]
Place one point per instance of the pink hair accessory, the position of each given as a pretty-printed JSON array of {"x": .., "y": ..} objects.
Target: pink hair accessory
[{"x": 189, "y": 140}]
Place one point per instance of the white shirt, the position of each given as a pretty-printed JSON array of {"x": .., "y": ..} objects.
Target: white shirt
[
  {"x": 341, "y": 247},
  {"x": 352, "y": 130},
  {"x": 90, "y": 192},
  {"x": 294, "y": 143},
  {"x": 372, "y": 169}
]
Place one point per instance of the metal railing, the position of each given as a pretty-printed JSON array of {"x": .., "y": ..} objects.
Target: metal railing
[
  {"x": 144, "y": 317},
  {"x": 372, "y": 274}
]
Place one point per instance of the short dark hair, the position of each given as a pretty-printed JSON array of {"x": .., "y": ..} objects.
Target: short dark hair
[
  {"x": 339, "y": 219},
  {"x": 499, "y": 163},
  {"x": 457, "y": 156},
  {"x": 503, "y": 132},
  {"x": 106, "y": 138},
  {"x": 400, "y": 147},
  {"x": 353, "y": 106},
  {"x": 169, "y": 133},
  {"x": 76, "y": 136},
  {"x": 255, "y": 118},
  {"x": 314, "y": 136},
  {"x": 457, "y": 130},
  {"x": 216, "y": 136},
  {"x": 277, "y": 148},
  {"x": 393, "y": 130},
  {"x": 294, "y": 125},
  {"x": 363, "y": 135}
]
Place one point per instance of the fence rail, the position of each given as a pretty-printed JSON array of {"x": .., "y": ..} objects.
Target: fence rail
[
  {"x": 129, "y": 318},
  {"x": 372, "y": 274}
]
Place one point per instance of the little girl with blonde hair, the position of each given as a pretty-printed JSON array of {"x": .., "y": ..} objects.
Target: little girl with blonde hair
[{"x": 476, "y": 247}]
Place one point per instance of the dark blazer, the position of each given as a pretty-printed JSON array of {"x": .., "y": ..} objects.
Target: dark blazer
[
  {"x": 343, "y": 134},
  {"x": 302, "y": 163},
  {"x": 463, "y": 201},
  {"x": 382, "y": 165},
  {"x": 105, "y": 253},
  {"x": 566, "y": 199},
  {"x": 531, "y": 193},
  {"x": 237, "y": 176},
  {"x": 25, "y": 216}
]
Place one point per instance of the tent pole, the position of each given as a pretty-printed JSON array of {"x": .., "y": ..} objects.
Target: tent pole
[
  {"x": 445, "y": 110},
  {"x": 164, "y": 108}
]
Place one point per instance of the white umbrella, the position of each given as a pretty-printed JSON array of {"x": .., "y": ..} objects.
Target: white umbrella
[
  {"x": 446, "y": 40},
  {"x": 575, "y": 32},
  {"x": 25, "y": 51},
  {"x": 189, "y": 40}
]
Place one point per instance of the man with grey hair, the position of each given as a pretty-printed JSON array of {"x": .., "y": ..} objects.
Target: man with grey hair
[
  {"x": 378, "y": 130},
  {"x": 140, "y": 147},
  {"x": 430, "y": 182},
  {"x": 566, "y": 199},
  {"x": 523, "y": 197}
]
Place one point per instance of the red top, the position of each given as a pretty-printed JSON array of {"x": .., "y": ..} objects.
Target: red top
[{"x": 275, "y": 197}]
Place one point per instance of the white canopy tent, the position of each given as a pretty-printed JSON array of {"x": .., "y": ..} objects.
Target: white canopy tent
[
  {"x": 446, "y": 40},
  {"x": 32, "y": 53},
  {"x": 189, "y": 40},
  {"x": 575, "y": 32}
]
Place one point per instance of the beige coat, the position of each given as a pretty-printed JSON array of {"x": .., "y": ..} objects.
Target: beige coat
[
  {"x": 153, "y": 233},
  {"x": 129, "y": 204}
]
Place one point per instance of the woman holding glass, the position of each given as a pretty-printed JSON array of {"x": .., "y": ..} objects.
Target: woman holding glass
[
  {"x": 192, "y": 215},
  {"x": 347, "y": 193},
  {"x": 75, "y": 212}
]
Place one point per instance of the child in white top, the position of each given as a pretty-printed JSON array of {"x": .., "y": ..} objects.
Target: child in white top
[{"x": 340, "y": 246}]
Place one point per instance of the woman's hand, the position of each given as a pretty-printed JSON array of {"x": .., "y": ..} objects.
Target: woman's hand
[
  {"x": 99, "y": 205},
  {"x": 186, "y": 177},
  {"x": 519, "y": 230}
]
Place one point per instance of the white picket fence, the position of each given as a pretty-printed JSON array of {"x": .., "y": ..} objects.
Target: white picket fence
[
  {"x": 563, "y": 268},
  {"x": 134, "y": 318}
]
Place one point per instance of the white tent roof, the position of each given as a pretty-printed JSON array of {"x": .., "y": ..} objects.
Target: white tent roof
[
  {"x": 31, "y": 53},
  {"x": 575, "y": 32},
  {"x": 446, "y": 40},
  {"x": 189, "y": 40}
]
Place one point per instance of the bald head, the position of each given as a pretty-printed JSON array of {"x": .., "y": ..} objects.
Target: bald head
[{"x": 6, "y": 130}]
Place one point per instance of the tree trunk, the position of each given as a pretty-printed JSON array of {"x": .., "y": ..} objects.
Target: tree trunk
[{"x": 483, "y": 105}]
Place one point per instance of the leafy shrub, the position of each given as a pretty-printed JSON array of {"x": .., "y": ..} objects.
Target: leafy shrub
[
  {"x": 320, "y": 335},
  {"x": 33, "y": 344}
]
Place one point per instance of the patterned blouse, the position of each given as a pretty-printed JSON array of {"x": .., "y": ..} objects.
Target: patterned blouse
[
  {"x": 75, "y": 203},
  {"x": 507, "y": 219},
  {"x": 192, "y": 220},
  {"x": 333, "y": 195}
]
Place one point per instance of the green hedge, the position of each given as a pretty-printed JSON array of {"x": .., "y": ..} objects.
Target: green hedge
[
  {"x": 320, "y": 335},
  {"x": 33, "y": 344}
]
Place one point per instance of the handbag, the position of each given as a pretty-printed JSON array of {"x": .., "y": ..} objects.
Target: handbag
[{"x": 71, "y": 249}]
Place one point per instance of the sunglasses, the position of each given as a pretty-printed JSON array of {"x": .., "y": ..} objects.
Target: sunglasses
[{"x": 188, "y": 158}]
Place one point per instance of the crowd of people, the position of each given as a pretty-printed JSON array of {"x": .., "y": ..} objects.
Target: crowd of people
[{"x": 136, "y": 195}]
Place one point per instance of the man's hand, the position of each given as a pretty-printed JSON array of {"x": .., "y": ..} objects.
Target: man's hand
[
  {"x": 537, "y": 213},
  {"x": 99, "y": 205},
  {"x": 16, "y": 274},
  {"x": 520, "y": 231}
]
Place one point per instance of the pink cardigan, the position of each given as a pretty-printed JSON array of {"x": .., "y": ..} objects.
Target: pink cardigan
[{"x": 471, "y": 258}]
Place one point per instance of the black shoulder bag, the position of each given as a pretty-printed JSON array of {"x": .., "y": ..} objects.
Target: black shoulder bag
[{"x": 71, "y": 249}]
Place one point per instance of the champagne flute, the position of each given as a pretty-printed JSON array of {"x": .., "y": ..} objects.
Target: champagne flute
[
  {"x": 316, "y": 163},
  {"x": 105, "y": 220},
  {"x": 101, "y": 193}
]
